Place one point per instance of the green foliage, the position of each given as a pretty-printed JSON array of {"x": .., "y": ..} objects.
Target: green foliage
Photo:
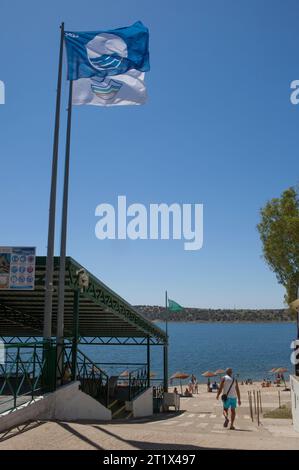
[{"x": 279, "y": 233}]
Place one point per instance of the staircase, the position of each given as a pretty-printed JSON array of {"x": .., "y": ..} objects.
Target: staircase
[
  {"x": 95, "y": 382},
  {"x": 118, "y": 410},
  {"x": 30, "y": 371}
]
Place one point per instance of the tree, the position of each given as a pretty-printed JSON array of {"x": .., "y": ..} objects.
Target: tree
[{"x": 279, "y": 233}]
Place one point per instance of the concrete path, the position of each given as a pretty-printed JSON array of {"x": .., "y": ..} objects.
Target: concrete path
[{"x": 198, "y": 425}]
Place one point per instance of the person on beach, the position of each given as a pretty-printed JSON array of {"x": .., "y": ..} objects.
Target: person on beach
[
  {"x": 231, "y": 392},
  {"x": 194, "y": 382}
]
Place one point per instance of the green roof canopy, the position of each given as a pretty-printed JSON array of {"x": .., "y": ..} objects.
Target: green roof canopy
[{"x": 102, "y": 313}]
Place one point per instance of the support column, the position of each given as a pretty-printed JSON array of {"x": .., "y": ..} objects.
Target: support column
[
  {"x": 165, "y": 362},
  {"x": 75, "y": 332},
  {"x": 148, "y": 362}
]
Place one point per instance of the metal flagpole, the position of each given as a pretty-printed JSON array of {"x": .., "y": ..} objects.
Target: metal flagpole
[
  {"x": 60, "y": 311},
  {"x": 165, "y": 347},
  {"x": 166, "y": 306},
  {"x": 47, "y": 332}
]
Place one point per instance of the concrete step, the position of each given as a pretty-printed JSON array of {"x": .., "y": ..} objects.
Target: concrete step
[{"x": 118, "y": 410}]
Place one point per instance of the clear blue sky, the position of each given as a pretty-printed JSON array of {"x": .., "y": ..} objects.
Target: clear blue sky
[{"x": 218, "y": 129}]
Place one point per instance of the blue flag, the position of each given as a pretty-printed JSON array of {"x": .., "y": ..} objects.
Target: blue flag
[{"x": 107, "y": 53}]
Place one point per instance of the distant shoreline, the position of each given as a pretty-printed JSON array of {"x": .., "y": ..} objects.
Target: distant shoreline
[{"x": 156, "y": 313}]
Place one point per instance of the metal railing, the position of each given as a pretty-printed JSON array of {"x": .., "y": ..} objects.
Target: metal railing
[
  {"x": 255, "y": 405},
  {"x": 124, "y": 384},
  {"x": 138, "y": 382},
  {"x": 158, "y": 390},
  {"x": 31, "y": 369},
  {"x": 158, "y": 394},
  {"x": 94, "y": 381},
  {"x": 21, "y": 375}
]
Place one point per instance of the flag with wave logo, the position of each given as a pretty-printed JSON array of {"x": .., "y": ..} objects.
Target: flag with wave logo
[
  {"x": 125, "y": 89},
  {"x": 108, "y": 67}
]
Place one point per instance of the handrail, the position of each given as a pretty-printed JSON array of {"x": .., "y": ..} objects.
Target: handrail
[
  {"x": 21, "y": 376},
  {"x": 121, "y": 364},
  {"x": 158, "y": 390},
  {"x": 36, "y": 344},
  {"x": 138, "y": 382},
  {"x": 26, "y": 372},
  {"x": 94, "y": 381}
]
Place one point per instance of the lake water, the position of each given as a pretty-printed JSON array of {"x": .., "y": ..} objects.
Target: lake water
[{"x": 251, "y": 349}]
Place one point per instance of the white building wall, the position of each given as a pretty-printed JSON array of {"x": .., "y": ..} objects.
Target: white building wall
[
  {"x": 67, "y": 403},
  {"x": 294, "y": 381},
  {"x": 73, "y": 405},
  {"x": 141, "y": 405}
]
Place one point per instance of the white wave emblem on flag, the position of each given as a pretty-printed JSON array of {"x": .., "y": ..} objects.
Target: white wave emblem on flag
[
  {"x": 106, "y": 51},
  {"x": 106, "y": 91},
  {"x": 123, "y": 89}
]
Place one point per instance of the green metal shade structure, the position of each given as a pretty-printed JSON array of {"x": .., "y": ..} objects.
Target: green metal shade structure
[
  {"x": 103, "y": 314},
  {"x": 93, "y": 314}
]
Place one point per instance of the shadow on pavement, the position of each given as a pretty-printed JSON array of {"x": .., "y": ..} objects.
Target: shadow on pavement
[
  {"x": 141, "y": 445},
  {"x": 79, "y": 435},
  {"x": 19, "y": 430}
]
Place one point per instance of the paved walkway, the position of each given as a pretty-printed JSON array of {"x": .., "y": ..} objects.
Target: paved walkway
[{"x": 198, "y": 425}]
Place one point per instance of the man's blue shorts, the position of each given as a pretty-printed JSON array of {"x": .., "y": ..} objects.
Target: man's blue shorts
[{"x": 230, "y": 403}]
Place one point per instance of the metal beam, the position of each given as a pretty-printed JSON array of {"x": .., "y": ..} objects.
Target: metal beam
[
  {"x": 103, "y": 314},
  {"x": 112, "y": 302},
  {"x": 118, "y": 340},
  {"x": 12, "y": 315}
]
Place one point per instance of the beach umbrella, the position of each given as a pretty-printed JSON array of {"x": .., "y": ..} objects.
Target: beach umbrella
[
  {"x": 281, "y": 370},
  {"x": 219, "y": 371},
  {"x": 272, "y": 371},
  {"x": 180, "y": 376},
  {"x": 209, "y": 374},
  {"x": 125, "y": 373}
]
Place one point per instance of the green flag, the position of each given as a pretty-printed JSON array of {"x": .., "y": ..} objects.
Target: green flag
[{"x": 174, "y": 306}]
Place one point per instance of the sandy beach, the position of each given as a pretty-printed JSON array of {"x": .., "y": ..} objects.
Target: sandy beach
[{"x": 198, "y": 425}]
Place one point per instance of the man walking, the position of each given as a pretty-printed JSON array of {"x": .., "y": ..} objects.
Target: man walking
[{"x": 231, "y": 392}]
